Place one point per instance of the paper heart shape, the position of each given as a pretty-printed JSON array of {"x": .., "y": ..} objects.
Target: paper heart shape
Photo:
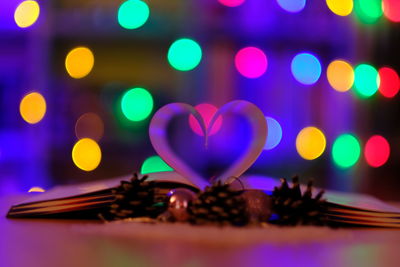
[{"x": 159, "y": 140}]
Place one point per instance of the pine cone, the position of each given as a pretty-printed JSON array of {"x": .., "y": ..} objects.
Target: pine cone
[
  {"x": 218, "y": 204},
  {"x": 136, "y": 198},
  {"x": 294, "y": 208}
]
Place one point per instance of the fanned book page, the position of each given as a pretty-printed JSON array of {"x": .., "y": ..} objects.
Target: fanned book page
[{"x": 88, "y": 199}]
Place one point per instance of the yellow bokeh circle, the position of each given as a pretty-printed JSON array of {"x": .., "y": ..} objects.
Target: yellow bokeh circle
[
  {"x": 340, "y": 75},
  {"x": 86, "y": 154},
  {"x": 32, "y": 107},
  {"x": 26, "y": 13},
  {"x": 79, "y": 62},
  {"x": 36, "y": 189},
  {"x": 310, "y": 143},
  {"x": 340, "y": 7}
]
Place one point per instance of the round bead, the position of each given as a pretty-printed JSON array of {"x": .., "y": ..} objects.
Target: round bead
[{"x": 179, "y": 202}]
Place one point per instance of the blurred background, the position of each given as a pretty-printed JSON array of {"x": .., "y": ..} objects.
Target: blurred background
[{"x": 81, "y": 79}]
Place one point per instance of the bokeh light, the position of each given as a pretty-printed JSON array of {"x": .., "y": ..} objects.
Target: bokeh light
[
  {"x": 274, "y": 133},
  {"x": 346, "y": 151},
  {"x": 251, "y": 62},
  {"x": 79, "y": 62},
  {"x": 89, "y": 125},
  {"x": 154, "y": 164},
  {"x": 340, "y": 7},
  {"x": 86, "y": 154},
  {"x": 132, "y": 14},
  {"x": 366, "y": 80},
  {"x": 207, "y": 112},
  {"x": 310, "y": 143},
  {"x": 184, "y": 54},
  {"x": 33, "y": 107},
  {"x": 368, "y": 11},
  {"x": 391, "y": 9},
  {"x": 26, "y": 13},
  {"x": 340, "y": 75},
  {"x": 292, "y": 6},
  {"x": 377, "y": 151},
  {"x": 306, "y": 68},
  {"x": 231, "y": 3},
  {"x": 137, "y": 104},
  {"x": 36, "y": 189},
  {"x": 389, "y": 82}
]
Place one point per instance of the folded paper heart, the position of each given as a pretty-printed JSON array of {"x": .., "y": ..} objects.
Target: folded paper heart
[{"x": 162, "y": 118}]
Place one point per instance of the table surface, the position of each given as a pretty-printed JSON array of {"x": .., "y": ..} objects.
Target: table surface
[{"x": 38, "y": 242}]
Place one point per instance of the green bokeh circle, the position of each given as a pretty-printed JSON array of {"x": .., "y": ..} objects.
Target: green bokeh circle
[
  {"x": 137, "y": 104},
  {"x": 184, "y": 54},
  {"x": 132, "y": 14},
  {"x": 366, "y": 80},
  {"x": 346, "y": 151}
]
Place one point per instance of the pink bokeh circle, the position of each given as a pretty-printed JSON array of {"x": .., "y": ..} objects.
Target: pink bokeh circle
[
  {"x": 251, "y": 62},
  {"x": 231, "y": 3},
  {"x": 391, "y": 9},
  {"x": 207, "y": 111}
]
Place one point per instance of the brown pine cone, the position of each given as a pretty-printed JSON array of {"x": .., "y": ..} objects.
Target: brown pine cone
[
  {"x": 291, "y": 207},
  {"x": 218, "y": 204},
  {"x": 135, "y": 198}
]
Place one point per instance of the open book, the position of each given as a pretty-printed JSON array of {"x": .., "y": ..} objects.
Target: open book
[{"x": 86, "y": 200}]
